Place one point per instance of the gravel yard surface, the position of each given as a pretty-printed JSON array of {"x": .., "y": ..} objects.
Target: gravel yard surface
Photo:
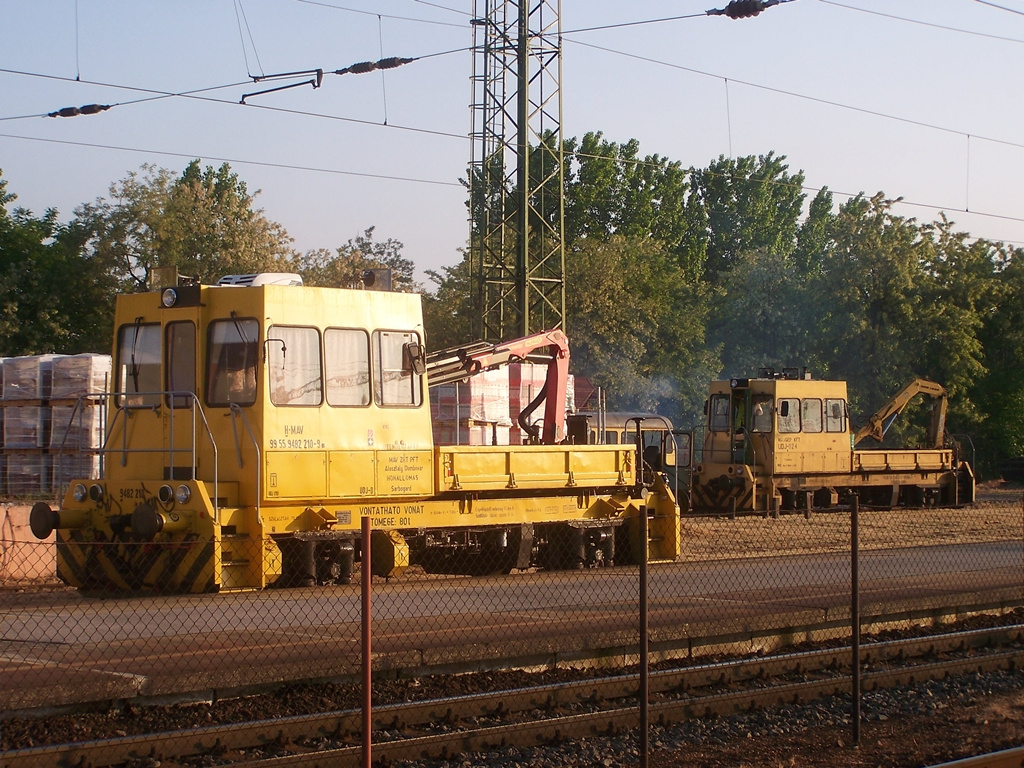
[{"x": 998, "y": 515}]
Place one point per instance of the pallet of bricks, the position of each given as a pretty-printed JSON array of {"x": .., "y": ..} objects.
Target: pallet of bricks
[
  {"x": 484, "y": 409},
  {"x": 52, "y": 421}
]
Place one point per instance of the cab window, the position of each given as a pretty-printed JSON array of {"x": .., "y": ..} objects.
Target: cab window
[
  {"x": 394, "y": 381},
  {"x": 718, "y": 413},
  {"x": 138, "y": 365},
  {"x": 811, "y": 414},
  {"x": 180, "y": 348},
  {"x": 347, "y": 365},
  {"x": 789, "y": 414},
  {"x": 762, "y": 414},
  {"x": 293, "y": 363},
  {"x": 835, "y": 415},
  {"x": 231, "y": 362}
]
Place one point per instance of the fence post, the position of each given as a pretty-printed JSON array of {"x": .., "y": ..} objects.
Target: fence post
[
  {"x": 855, "y": 612},
  {"x": 644, "y": 660},
  {"x": 367, "y": 637}
]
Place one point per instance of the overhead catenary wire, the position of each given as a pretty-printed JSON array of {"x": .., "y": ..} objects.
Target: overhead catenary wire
[
  {"x": 374, "y": 13},
  {"x": 794, "y": 94},
  {"x": 240, "y": 17},
  {"x": 437, "y": 182},
  {"x": 234, "y": 161},
  {"x": 194, "y": 94},
  {"x": 1000, "y": 7},
  {"x": 921, "y": 23}
]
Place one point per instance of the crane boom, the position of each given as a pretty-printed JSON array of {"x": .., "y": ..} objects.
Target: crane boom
[
  {"x": 879, "y": 422},
  {"x": 548, "y": 347}
]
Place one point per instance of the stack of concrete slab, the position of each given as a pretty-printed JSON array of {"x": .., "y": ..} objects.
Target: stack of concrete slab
[
  {"x": 472, "y": 412},
  {"x": 52, "y": 420},
  {"x": 484, "y": 409}
]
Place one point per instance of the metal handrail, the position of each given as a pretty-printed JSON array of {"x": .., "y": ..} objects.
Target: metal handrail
[
  {"x": 122, "y": 408},
  {"x": 237, "y": 412}
]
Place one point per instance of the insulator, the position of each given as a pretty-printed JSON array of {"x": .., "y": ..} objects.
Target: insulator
[
  {"x": 391, "y": 63},
  {"x": 88, "y": 109},
  {"x": 741, "y": 9},
  {"x": 361, "y": 68}
]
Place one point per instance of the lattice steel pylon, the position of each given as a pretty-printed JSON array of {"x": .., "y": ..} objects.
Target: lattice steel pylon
[{"x": 517, "y": 252}]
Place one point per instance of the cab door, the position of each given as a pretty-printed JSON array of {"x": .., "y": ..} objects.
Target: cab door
[{"x": 182, "y": 425}]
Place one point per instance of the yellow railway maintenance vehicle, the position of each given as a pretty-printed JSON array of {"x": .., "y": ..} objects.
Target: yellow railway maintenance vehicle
[
  {"x": 783, "y": 441},
  {"x": 252, "y": 425}
]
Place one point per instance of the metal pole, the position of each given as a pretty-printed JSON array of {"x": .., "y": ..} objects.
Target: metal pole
[
  {"x": 644, "y": 660},
  {"x": 855, "y": 612},
  {"x": 367, "y": 637},
  {"x": 523, "y": 296}
]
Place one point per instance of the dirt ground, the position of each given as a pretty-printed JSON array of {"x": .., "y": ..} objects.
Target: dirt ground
[{"x": 998, "y": 515}]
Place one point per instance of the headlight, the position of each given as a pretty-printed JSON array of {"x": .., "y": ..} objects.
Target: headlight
[
  {"x": 165, "y": 494},
  {"x": 183, "y": 494},
  {"x": 169, "y": 297},
  {"x": 96, "y": 492},
  {"x": 78, "y": 492}
]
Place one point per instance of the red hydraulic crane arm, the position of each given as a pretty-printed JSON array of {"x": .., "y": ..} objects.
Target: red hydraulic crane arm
[{"x": 550, "y": 347}]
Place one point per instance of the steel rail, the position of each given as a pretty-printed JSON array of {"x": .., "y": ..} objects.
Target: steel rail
[
  {"x": 614, "y": 721},
  {"x": 679, "y": 682},
  {"x": 1007, "y": 758}
]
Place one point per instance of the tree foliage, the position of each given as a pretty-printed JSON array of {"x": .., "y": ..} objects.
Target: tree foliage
[
  {"x": 52, "y": 299},
  {"x": 344, "y": 267},
  {"x": 203, "y": 222}
]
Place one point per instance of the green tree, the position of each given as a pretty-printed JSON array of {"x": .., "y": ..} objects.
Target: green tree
[
  {"x": 203, "y": 222},
  {"x": 764, "y": 314},
  {"x": 636, "y": 325},
  {"x": 611, "y": 190},
  {"x": 344, "y": 267},
  {"x": 752, "y": 204},
  {"x": 52, "y": 298},
  {"x": 449, "y": 310},
  {"x": 868, "y": 300},
  {"x": 999, "y": 392}
]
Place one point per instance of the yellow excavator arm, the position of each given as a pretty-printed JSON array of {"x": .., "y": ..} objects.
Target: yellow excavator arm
[{"x": 879, "y": 422}]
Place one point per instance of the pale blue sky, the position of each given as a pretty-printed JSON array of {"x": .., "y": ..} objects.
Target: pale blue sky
[{"x": 691, "y": 90}]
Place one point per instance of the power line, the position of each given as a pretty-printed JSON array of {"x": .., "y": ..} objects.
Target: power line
[
  {"x": 233, "y": 161},
  {"x": 435, "y": 182},
  {"x": 384, "y": 15},
  {"x": 816, "y": 99},
  {"x": 194, "y": 94},
  {"x": 922, "y": 23},
  {"x": 634, "y": 23},
  {"x": 444, "y": 8},
  {"x": 1000, "y": 7}
]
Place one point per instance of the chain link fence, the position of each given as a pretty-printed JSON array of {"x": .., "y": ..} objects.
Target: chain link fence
[{"x": 743, "y": 585}]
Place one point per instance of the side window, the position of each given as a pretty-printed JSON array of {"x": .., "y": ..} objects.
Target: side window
[
  {"x": 789, "y": 414},
  {"x": 293, "y": 363},
  {"x": 231, "y": 355},
  {"x": 138, "y": 365},
  {"x": 347, "y": 364},
  {"x": 835, "y": 415},
  {"x": 611, "y": 437},
  {"x": 394, "y": 381},
  {"x": 180, "y": 346},
  {"x": 762, "y": 416},
  {"x": 811, "y": 414},
  {"x": 718, "y": 413}
]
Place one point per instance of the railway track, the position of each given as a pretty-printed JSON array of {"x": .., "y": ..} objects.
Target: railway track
[{"x": 546, "y": 714}]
